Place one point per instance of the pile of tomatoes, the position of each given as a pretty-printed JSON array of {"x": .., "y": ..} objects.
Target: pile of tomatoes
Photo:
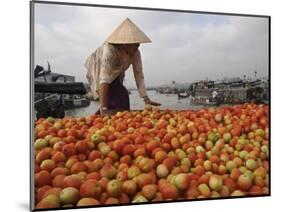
[{"x": 152, "y": 156}]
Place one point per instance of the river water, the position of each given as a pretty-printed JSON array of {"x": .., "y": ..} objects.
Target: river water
[{"x": 168, "y": 101}]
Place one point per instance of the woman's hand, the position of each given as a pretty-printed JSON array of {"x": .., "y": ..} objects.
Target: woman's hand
[
  {"x": 108, "y": 112},
  {"x": 150, "y": 102}
]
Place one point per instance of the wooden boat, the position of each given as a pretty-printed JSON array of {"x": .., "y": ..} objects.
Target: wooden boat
[
  {"x": 76, "y": 103},
  {"x": 202, "y": 101},
  {"x": 183, "y": 95},
  {"x": 53, "y": 96}
]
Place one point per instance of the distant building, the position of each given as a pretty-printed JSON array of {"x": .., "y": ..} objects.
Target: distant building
[
  {"x": 228, "y": 82},
  {"x": 203, "y": 84}
]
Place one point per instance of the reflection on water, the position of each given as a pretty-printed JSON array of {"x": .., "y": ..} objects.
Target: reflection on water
[{"x": 168, "y": 101}]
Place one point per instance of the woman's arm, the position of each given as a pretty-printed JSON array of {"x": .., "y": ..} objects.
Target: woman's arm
[
  {"x": 138, "y": 74},
  {"x": 139, "y": 78},
  {"x": 103, "y": 91},
  {"x": 108, "y": 59}
]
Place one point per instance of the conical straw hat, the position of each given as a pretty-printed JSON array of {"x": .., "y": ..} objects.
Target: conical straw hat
[{"x": 127, "y": 32}]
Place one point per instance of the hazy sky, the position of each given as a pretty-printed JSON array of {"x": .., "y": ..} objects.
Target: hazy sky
[{"x": 185, "y": 46}]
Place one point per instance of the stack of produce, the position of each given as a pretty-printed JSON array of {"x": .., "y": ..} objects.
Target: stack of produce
[{"x": 152, "y": 155}]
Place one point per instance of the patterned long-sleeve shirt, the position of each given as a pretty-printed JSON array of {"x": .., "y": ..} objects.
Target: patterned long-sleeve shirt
[{"x": 108, "y": 62}]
